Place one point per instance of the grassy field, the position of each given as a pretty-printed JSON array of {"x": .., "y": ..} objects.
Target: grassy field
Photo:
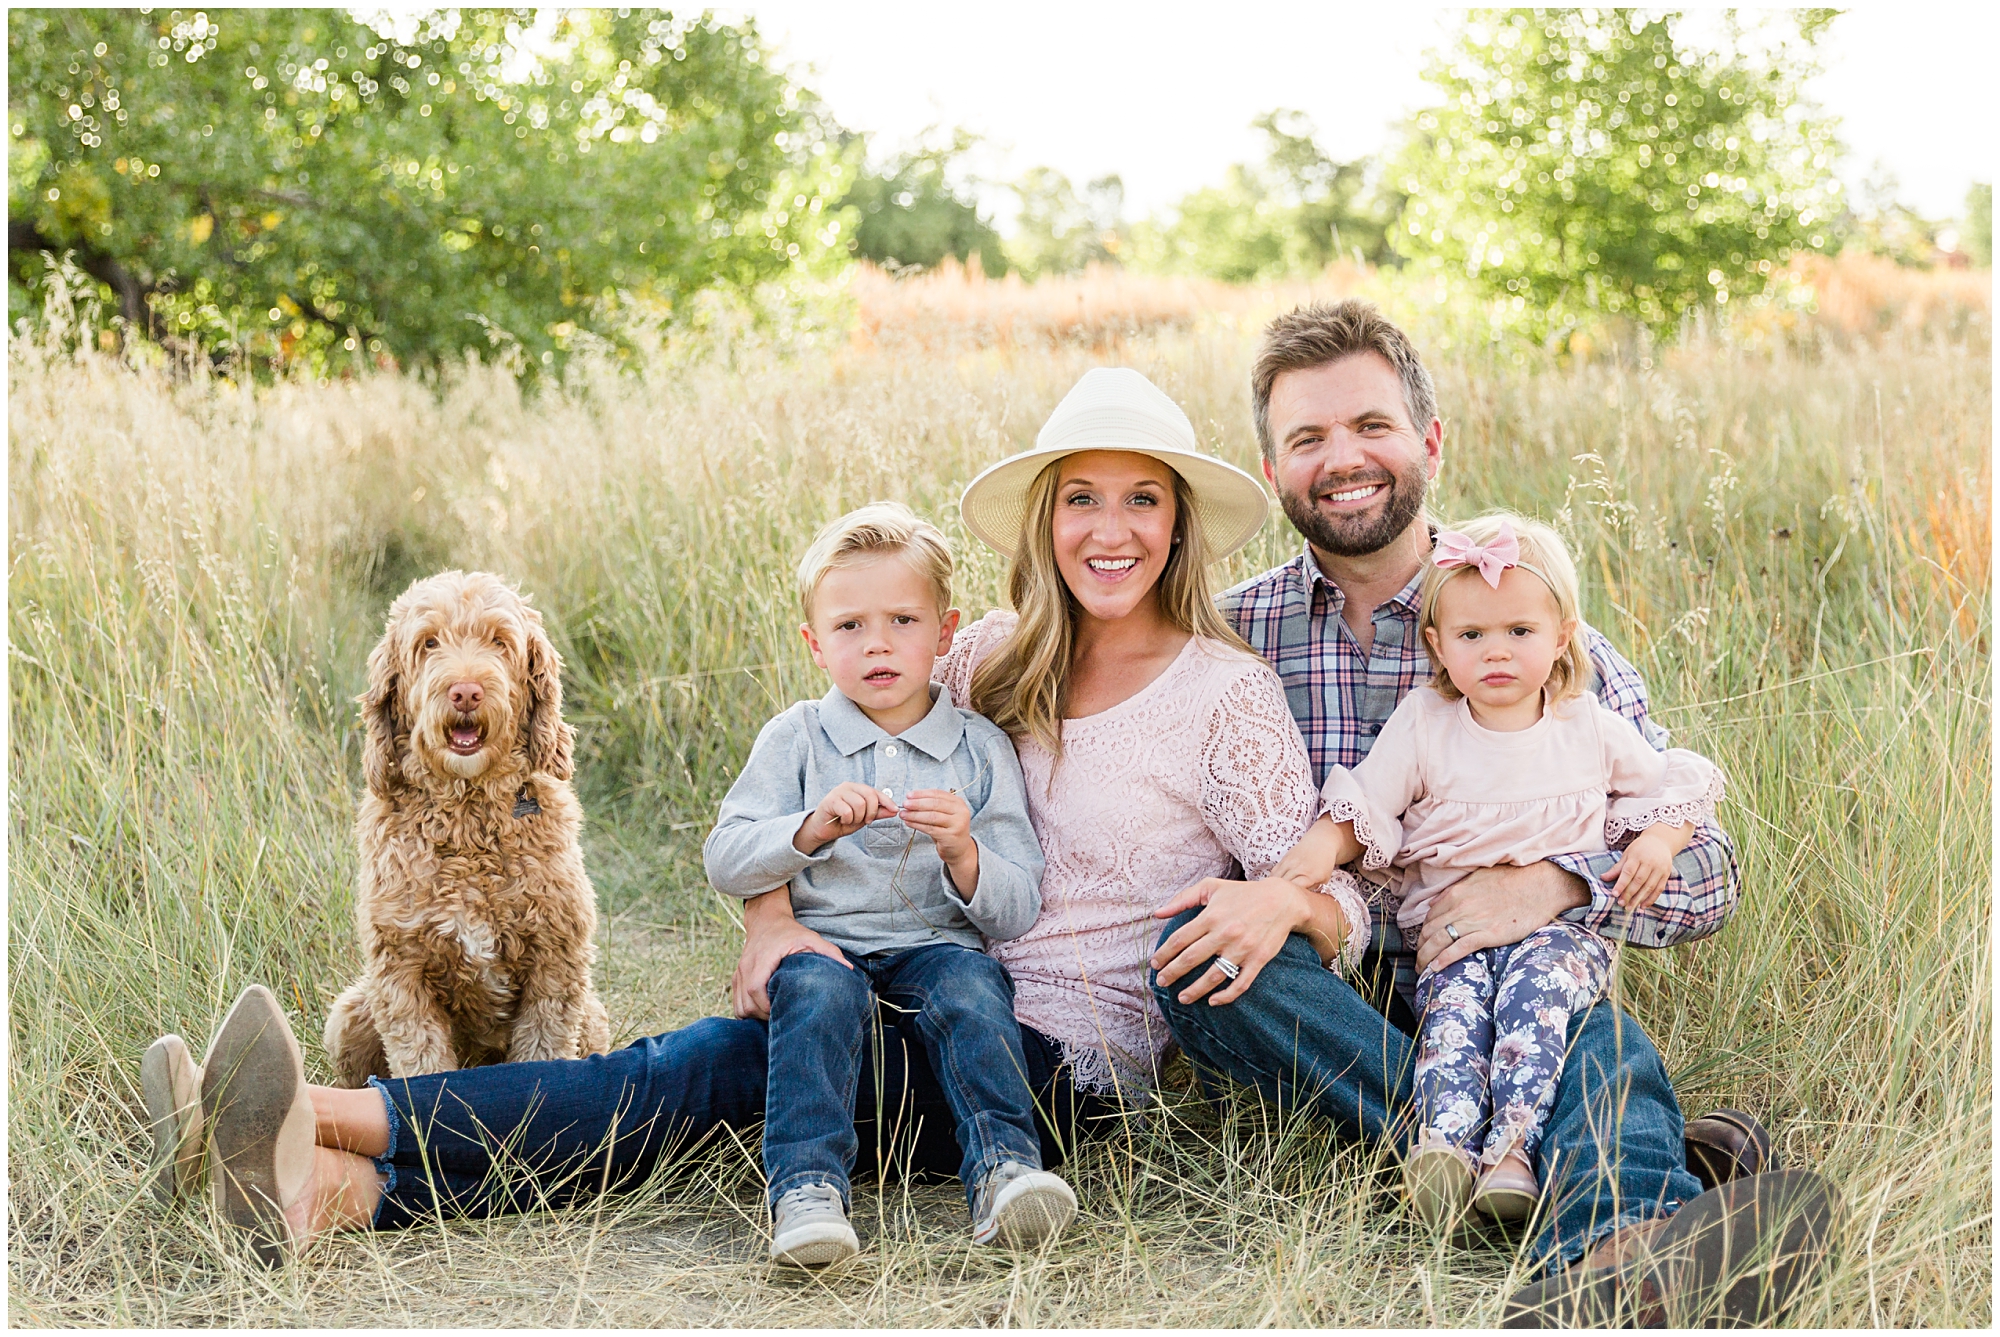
[{"x": 1786, "y": 528}]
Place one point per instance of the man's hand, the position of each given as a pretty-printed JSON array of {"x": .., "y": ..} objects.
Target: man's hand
[
  {"x": 1245, "y": 923},
  {"x": 770, "y": 934},
  {"x": 1641, "y": 874},
  {"x": 847, "y": 808},
  {"x": 947, "y": 820},
  {"x": 1491, "y": 907}
]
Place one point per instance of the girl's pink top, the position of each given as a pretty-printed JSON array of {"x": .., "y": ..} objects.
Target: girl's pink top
[
  {"x": 1202, "y": 767},
  {"x": 1440, "y": 795}
]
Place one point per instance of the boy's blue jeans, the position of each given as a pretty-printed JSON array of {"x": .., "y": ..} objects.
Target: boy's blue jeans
[
  {"x": 521, "y": 1137},
  {"x": 821, "y": 1013},
  {"x": 1611, "y": 1150}
]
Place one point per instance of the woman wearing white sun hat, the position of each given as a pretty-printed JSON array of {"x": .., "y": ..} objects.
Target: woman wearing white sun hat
[{"x": 1158, "y": 748}]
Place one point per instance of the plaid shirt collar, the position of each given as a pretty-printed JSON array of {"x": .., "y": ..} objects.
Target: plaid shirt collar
[{"x": 1307, "y": 569}]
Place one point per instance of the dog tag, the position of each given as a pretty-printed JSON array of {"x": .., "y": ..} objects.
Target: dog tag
[{"x": 526, "y": 806}]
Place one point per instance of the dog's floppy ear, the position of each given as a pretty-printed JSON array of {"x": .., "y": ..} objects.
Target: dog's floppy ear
[
  {"x": 550, "y": 741},
  {"x": 382, "y": 753}
]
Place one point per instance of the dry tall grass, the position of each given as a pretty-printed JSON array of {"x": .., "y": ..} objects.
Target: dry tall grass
[{"x": 1792, "y": 546}]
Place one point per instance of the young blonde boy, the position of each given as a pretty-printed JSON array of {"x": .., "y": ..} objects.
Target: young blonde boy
[{"x": 901, "y": 824}]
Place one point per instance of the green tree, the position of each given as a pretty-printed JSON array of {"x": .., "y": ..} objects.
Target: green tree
[
  {"x": 1593, "y": 160},
  {"x": 1058, "y": 230},
  {"x": 910, "y": 216},
  {"x": 1294, "y": 213},
  {"x": 298, "y": 182}
]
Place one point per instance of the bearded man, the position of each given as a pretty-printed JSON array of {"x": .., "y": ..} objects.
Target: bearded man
[{"x": 1348, "y": 426}]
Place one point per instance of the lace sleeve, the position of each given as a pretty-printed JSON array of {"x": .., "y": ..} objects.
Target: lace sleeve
[
  {"x": 1257, "y": 793},
  {"x": 953, "y": 669}
]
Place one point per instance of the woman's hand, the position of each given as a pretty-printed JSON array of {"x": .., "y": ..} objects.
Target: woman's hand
[
  {"x": 1491, "y": 907},
  {"x": 770, "y": 934},
  {"x": 1245, "y": 923}
]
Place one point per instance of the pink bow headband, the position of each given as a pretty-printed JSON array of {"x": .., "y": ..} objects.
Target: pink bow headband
[{"x": 1455, "y": 550}]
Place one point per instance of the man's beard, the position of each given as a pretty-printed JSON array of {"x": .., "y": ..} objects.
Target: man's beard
[{"x": 1358, "y": 535}]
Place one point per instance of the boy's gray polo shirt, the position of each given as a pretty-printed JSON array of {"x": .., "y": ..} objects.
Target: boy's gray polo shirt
[{"x": 843, "y": 892}]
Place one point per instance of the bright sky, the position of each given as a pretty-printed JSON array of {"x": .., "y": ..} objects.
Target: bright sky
[{"x": 1162, "y": 94}]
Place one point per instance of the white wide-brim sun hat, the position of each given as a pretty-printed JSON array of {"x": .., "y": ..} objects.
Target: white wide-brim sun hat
[{"x": 1116, "y": 408}]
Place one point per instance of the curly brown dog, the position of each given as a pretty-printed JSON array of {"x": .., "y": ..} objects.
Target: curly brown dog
[{"x": 476, "y": 917}]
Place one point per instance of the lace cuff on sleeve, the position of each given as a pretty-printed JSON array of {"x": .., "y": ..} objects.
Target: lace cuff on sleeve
[
  {"x": 1345, "y": 888},
  {"x": 1344, "y": 800},
  {"x": 1689, "y": 793}
]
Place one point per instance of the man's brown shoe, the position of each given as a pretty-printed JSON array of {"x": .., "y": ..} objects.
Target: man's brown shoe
[
  {"x": 260, "y": 1122},
  {"x": 171, "y": 1084},
  {"x": 1727, "y": 1144},
  {"x": 1735, "y": 1256}
]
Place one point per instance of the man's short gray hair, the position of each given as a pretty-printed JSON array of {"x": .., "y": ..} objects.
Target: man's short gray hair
[{"x": 1312, "y": 336}]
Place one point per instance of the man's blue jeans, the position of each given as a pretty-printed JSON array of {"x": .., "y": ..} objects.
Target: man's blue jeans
[
  {"x": 821, "y": 1012},
  {"x": 519, "y": 1137},
  {"x": 1611, "y": 1151}
]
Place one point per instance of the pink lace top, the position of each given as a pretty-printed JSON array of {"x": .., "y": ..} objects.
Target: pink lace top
[
  {"x": 1202, "y": 767},
  {"x": 1440, "y": 794}
]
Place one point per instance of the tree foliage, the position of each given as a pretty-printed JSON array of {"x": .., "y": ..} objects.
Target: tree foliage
[
  {"x": 1597, "y": 160},
  {"x": 910, "y": 215},
  {"x": 1059, "y": 230},
  {"x": 301, "y": 183},
  {"x": 1979, "y": 223},
  {"x": 1295, "y": 212}
]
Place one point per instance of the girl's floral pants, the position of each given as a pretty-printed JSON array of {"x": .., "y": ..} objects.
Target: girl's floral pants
[{"x": 1490, "y": 1045}]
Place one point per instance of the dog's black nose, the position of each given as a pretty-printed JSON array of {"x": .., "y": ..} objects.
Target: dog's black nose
[{"x": 466, "y": 696}]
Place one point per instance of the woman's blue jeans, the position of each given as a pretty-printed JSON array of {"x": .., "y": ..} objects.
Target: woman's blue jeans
[
  {"x": 516, "y": 1137},
  {"x": 1611, "y": 1150},
  {"x": 962, "y": 1005}
]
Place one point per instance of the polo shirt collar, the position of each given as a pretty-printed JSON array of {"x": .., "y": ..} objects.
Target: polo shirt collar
[{"x": 936, "y": 735}]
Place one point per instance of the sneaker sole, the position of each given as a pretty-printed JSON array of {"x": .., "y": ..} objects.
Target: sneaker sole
[
  {"x": 1037, "y": 1213},
  {"x": 252, "y": 1096},
  {"x": 172, "y": 1088},
  {"x": 816, "y": 1246}
]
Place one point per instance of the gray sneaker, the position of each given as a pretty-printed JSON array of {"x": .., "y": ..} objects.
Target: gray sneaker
[
  {"x": 811, "y": 1228},
  {"x": 1020, "y": 1207}
]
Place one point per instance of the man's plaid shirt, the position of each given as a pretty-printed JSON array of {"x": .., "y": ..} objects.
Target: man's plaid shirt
[{"x": 1292, "y": 617}]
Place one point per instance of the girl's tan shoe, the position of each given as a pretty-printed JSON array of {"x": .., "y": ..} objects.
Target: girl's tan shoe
[
  {"x": 260, "y": 1122},
  {"x": 1506, "y": 1192},
  {"x": 1439, "y": 1184},
  {"x": 171, "y": 1083}
]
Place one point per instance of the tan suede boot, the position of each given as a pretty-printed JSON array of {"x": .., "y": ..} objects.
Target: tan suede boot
[{"x": 260, "y": 1122}]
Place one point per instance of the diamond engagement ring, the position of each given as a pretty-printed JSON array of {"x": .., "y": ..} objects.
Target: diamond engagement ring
[
  {"x": 1229, "y": 969},
  {"x": 1451, "y": 931}
]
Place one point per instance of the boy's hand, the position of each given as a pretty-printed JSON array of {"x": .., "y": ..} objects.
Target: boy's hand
[
  {"x": 947, "y": 819},
  {"x": 847, "y": 808},
  {"x": 1642, "y": 874}
]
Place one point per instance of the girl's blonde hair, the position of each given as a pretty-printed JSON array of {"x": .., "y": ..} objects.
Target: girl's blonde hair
[
  {"x": 1023, "y": 686},
  {"x": 1544, "y": 554}
]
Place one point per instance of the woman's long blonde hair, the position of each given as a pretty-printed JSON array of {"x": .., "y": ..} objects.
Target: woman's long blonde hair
[{"x": 1023, "y": 685}]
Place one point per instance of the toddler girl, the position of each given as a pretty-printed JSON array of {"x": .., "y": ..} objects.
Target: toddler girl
[{"x": 1504, "y": 758}]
